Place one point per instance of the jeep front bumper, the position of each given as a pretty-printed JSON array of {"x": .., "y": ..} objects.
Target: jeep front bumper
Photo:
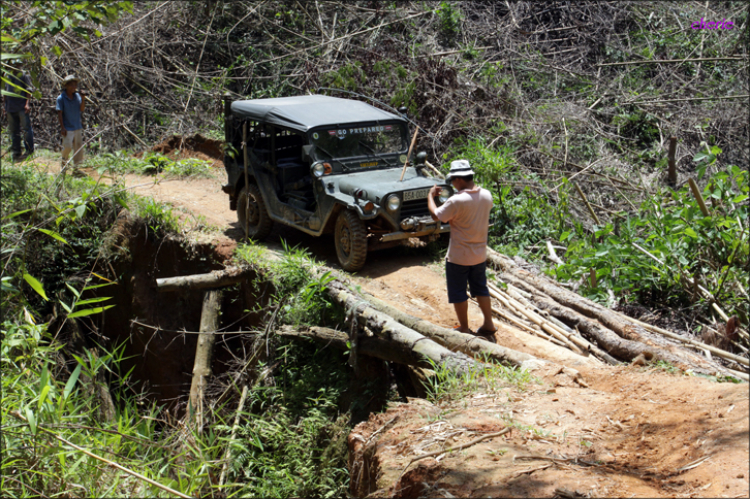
[{"x": 420, "y": 228}]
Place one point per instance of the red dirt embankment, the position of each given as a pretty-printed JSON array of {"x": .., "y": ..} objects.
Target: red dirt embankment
[{"x": 632, "y": 433}]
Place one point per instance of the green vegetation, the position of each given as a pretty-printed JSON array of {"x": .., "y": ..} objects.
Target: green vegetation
[
  {"x": 151, "y": 163},
  {"x": 444, "y": 385},
  {"x": 291, "y": 437}
]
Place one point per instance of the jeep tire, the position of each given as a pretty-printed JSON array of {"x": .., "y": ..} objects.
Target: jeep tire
[
  {"x": 250, "y": 209},
  {"x": 351, "y": 241}
]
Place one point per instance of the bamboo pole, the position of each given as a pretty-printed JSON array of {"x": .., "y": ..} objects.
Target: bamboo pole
[
  {"x": 523, "y": 327},
  {"x": 698, "y": 197},
  {"x": 716, "y": 351},
  {"x": 408, "y": 154},
  {"x": 588, "y": 205},
  {"x": 511, "y": 303},
  {"x": 432, "y": 167},
  {"x": 562, "y": 330}
]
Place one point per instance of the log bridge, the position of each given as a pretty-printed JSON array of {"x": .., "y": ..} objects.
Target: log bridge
[{"x": 529, "y": 301}]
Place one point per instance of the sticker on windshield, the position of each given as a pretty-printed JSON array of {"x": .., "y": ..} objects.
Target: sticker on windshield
[
  {"x": 402, "y": 158},
  {"x": 316, "y": 136}
]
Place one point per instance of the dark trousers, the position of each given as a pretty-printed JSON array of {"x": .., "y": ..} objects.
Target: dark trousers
[{"x": 16, "y": 123}]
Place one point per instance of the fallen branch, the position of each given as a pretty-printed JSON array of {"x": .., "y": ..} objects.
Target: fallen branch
[
  {"x": 453, "y": 449},
  {"x": 700, "y": 59}
]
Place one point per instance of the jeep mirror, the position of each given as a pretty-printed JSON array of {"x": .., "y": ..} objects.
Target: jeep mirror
[
  {"x": 307, "y": 152},
  {"x": 421, "y": 157}
]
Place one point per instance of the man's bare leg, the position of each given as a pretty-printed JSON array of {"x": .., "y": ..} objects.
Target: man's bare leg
[
  {"x": 462, "y": 313},
  {"x": 485, "y": 306}
]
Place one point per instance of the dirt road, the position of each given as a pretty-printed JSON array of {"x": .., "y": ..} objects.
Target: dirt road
[{"x": 634, "y": 432}]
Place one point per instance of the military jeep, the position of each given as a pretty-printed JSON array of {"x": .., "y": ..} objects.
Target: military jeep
[{"x": 326, "y": 165}]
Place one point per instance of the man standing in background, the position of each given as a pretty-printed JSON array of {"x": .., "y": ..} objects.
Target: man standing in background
[
  {"x": 18, "y": 109},
  {"x": 70, "y": 106},
  {"x": 468, "y": 213}
]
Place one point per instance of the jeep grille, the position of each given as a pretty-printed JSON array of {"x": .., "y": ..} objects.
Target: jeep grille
[{"x": 414, "y": 208}]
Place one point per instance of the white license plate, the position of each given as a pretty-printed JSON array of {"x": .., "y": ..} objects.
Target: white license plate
[{"x": 420, "y": 194}]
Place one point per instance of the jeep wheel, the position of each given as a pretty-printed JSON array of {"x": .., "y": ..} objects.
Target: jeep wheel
[
  {"x": 250, "y": 209},
  {"x": 351, "y": 241}
]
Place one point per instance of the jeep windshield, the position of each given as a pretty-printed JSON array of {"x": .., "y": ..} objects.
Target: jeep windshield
[{"x": 373, "y": 145}]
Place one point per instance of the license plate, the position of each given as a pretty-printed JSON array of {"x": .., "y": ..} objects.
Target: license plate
[{"x": 420, "y": 194}]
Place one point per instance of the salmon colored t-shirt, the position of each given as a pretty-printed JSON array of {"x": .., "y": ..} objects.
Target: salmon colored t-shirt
[{"x": 468, "y": 213}]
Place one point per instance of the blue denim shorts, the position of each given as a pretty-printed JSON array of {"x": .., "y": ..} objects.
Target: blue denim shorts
[{"x": 458, "y": 276}]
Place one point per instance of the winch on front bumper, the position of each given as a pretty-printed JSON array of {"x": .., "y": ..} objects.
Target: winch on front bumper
[{"x": 416, "y": 227}]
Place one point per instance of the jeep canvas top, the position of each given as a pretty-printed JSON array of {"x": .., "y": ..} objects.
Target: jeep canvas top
[{"x": 327, "y": 165}]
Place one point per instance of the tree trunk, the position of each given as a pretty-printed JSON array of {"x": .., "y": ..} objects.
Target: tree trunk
[
  {"x": 389, "y": 329},
  {"x": 370, "y": 346},
  {"x": 216, "y": 279},
  {"x": 454, "y": 340},
  {"x": 204, "y": 351}
]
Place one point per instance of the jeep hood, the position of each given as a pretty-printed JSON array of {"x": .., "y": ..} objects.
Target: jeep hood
[{"x": 379, "y": 183}]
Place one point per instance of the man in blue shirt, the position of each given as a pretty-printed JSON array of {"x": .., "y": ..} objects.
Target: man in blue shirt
[
  {"x": 70, "y": 106},
  {"x": 18, "y": 109}
]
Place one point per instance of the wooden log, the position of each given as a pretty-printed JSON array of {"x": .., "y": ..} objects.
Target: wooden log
[
  {"x": 371, "y": 346},
  {"x": 697, "y": 195},
  {"x": 215, "y": 279},
  {"x": 586, "y": 202},
  {"x": 389, "y": 329},
  {"x": 672, "y": 171},
  {"x": 204, "y": 351},
  {"x": 455, "y": 340}
]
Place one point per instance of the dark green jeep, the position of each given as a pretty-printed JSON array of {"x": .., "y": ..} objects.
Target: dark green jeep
[{"x": 327, "y": 165}]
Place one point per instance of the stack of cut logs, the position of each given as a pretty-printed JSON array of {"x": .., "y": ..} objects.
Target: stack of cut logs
[{"x": 537, "y": 304}]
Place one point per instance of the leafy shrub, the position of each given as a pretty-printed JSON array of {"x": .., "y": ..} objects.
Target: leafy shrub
[{"x": 714, "y": 248}]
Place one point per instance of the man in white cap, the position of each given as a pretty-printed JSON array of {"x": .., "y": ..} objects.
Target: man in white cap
[
  {"x": 70, "y": 106},
  {"x": 468, "y": 213}
]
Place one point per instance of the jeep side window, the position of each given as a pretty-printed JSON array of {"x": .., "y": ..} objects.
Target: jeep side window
[{"x": 293, "y": 176}]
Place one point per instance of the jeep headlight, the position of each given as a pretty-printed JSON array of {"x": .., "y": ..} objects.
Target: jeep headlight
[
  {"x": 318, "y": 169},
  {"x": 393, "y": 202},
  {"x": 445, "y": 193}
]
